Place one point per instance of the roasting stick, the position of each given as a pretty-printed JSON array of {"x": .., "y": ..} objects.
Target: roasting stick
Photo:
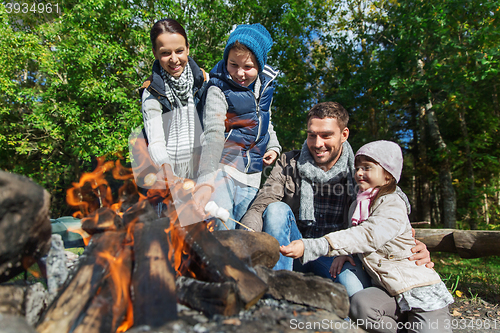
[
  {"x": 241, "y": 224},
  {"x": 222, "y": 214}
]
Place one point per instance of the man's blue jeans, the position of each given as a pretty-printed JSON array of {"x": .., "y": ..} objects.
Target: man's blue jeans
[
  {"x": 279, "y": 222},
  {"x": 232, "y": 196}
]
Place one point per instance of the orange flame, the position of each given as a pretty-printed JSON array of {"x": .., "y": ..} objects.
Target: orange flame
[
  {"x": 86, "y": 237},
  {"x": 119, "y": 275}
]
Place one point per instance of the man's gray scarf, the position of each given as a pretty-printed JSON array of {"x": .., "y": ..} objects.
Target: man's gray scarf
[
  {"x": 311, "y": 173},
  {"x": 180, "y": 141}
]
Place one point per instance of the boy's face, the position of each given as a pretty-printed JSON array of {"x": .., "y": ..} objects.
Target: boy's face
[
  {"x": 172, "y": 52},
  {"x": 242, "y": 66},
  {"x": 324, "y": 140}
]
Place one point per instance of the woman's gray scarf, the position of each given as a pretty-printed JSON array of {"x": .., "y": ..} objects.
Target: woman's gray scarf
[
  {"x": 311, "y": 173},
  {"x": 180, "y": 140}
]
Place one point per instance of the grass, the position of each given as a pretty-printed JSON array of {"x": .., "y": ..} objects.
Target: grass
[{"x": 470, "y": 278}]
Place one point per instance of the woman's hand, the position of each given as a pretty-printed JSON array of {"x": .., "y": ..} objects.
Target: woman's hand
[
  {"x": 269, "y": 157},
  {"x": 295, "y": 249},
  {"x": 338, "y": 263}
]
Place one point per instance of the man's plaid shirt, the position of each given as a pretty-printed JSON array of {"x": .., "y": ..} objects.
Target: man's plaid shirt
[{"x": 330, "y": 200}]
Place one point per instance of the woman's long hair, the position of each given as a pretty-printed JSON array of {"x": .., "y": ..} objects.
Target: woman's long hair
[{"x": 166, "y": 25}]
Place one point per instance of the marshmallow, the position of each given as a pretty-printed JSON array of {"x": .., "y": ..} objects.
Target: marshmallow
[
  {"x": 218, "y": 212},
  {"x": 222, "y": 214}
]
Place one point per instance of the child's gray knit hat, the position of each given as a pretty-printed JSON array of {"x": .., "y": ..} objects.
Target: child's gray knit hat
[
  {"x": 253, "y": 36},
  {"x": 386, "y": 153}
]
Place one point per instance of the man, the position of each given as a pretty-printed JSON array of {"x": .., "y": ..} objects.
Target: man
[{"x": 308, "y": 194}]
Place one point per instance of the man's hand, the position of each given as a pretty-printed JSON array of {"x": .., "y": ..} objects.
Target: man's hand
[
  {"x": 295, "y": 249},
  {"x": 422, "y": 255},
  {"x": 269, "y": 157},
  {"x": 337, "y": 264}
]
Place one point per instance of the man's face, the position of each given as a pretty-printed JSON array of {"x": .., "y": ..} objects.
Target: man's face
[{"x": 324, "y": 140}]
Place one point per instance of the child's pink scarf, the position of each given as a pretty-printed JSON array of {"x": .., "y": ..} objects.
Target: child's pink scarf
[{"x": 362, "y": 210}]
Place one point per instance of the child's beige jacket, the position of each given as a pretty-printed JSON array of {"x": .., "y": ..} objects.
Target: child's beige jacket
[{"x": 383, "y": 242}]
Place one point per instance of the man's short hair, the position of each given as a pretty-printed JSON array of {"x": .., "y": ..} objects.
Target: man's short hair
[{"x": 330, "y": 110}]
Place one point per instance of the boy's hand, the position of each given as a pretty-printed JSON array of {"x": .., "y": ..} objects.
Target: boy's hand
[
  {"x": 269, "y": 157},
  {"x": 337, "y": 264},
  {"x": 422, "y": 255},
  {"x": 295, "y": 249},
  {"x": 200, "y": 198}
]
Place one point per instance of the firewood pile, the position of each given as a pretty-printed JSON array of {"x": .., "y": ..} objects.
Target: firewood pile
[{"x": 140, "y": 272}]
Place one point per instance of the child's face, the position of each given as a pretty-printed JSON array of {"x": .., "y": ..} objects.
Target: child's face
[
  {"x": 369, "y": 174},
  {"x": 172, "y": 52},
  {"x": 242, "y": 66}
]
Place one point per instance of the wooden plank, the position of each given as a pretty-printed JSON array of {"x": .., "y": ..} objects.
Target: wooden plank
[
  {"x": 467, "y": 243},
  {"x": 153, "y": 279},
  {"x": 213, "y": 262},
  {"x": 108, "y": 308},
  {"x": 437, "y": 240},
  {"x": 77, "y": 294}
]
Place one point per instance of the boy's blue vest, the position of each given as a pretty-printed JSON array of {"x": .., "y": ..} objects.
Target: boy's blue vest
[{"x": 247, "y": 118}]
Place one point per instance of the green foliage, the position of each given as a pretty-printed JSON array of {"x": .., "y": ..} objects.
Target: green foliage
[
  {"x": 68, "y": 82},
  {"x": 470, "y": 277}
]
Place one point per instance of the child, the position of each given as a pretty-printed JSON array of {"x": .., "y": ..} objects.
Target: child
[
  {"x": 239, "y": 138},
  {"x": 382, "y": 234}
]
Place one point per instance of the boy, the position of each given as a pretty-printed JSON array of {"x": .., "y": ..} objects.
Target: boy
[{"x": 239, "y": 138}]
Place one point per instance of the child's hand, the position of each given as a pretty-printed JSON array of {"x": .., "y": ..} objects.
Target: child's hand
[
  {"x": 295, "y": 249},
  {"x": 337, "y": 264},
  {"x": 269, "y": 157}
]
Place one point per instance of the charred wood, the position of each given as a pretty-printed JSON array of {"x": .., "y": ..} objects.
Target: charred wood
[
  {"x": 209, "y": 297},
  {"x": 77, "y": 294},
  {"x": 153, "y": 278},
  {"x": 212, "y": 262}
]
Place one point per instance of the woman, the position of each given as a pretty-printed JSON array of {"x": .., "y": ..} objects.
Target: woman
[{"x": 171, "y": 124}]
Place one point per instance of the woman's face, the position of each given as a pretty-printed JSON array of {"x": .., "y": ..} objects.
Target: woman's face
[{"x": 172, "y": 52}]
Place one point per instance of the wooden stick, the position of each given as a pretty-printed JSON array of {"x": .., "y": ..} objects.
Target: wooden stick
[
  {"x": 240, "y": 224},
  {"x": 224, "y": 224}
]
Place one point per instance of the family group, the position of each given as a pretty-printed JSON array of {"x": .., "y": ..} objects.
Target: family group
[{"x": 336, "y": 214}]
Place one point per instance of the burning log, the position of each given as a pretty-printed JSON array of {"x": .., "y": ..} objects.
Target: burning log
[
  {"x": 69, "y": 308},
  {"x": 213, "y": 262},
  {"x": 209, "y": 298},
  {"x": 108, "y": 309},
  {"x": 153, "y": 279},
  {"x": 103, "y": 219}
]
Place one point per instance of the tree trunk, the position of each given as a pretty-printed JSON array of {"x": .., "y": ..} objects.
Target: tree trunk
[
  {"x": 425, "y": 192},
  {"x": 447, "y": 191},
  {"x": 471, "y": 197}
]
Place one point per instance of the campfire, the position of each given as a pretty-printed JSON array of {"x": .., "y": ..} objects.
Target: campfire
[
  {"x": 143, "y": 272},
  {"x": 136, "y": 266}
]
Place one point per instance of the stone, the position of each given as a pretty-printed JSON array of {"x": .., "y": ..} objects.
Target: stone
[
  {"x": 306, "y": 289},
  {"x": 14, "y": 324},
  {"x": 254, "y": 248},
  {"x": 25, "y": 229},
  {"x": 57, "y": 270}
]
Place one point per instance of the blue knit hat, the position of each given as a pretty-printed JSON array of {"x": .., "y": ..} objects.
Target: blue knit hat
[{"x": 253, "y": 36}]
